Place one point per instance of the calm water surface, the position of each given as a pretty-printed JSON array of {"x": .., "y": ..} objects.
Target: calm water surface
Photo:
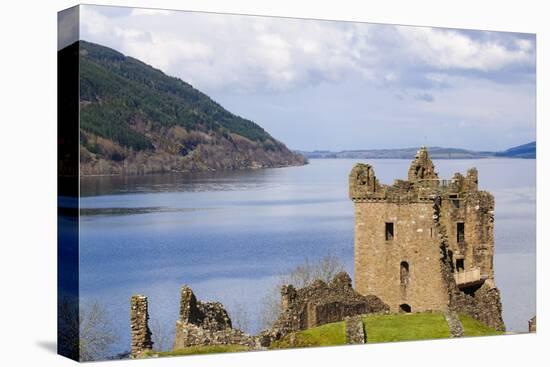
[{"x": 229, "y": 235}]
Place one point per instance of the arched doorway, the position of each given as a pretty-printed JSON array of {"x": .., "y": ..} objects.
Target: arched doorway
[{"x": 404, "y": 308}]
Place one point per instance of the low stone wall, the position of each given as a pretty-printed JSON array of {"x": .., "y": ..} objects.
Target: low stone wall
[
  {"x": 355, "y": 330},
  {"x": 455, "y": 325},
  {"x": 318, "y": 304},
  {"x": 188, "y": 335}
]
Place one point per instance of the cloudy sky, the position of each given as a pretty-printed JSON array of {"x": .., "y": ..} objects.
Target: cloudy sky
[{"x": 340, "y": 85}]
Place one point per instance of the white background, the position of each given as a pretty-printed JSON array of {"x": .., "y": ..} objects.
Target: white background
[{"x": 28, "y": 181}]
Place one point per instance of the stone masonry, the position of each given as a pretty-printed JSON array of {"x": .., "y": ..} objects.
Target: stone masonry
[
  {"x": 139, "y": 317},
  {"x": 355, "y": 330},
  {"x": 206, "y": 323},
  {"x": 455, "y": 325},
  {"x": 426, "y": 244},
  {"x": 319, "y": 304}
]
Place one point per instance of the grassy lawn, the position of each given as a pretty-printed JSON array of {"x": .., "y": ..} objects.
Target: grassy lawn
[
  {"x": 475, "y": 328},
  {"x": 386, "y": 328},
  {"x": 200, "y": 349},
  {"x": 321, "y": 336},
  {"x": 380, "y": 328},
  {"x": 401, "y": 327}
]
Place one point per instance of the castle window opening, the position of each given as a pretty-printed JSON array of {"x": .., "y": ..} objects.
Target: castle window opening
[
  {"x": 454, "y": 200},
  {"x": 404, "y": 308},
  {"x": 389, "y": 231},
  {"x": 404, "y": 273},
  {"x": 460, "y": 232},
  {"x": 459, "y": 264}
]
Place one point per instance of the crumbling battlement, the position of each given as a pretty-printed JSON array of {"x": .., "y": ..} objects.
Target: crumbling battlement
[
  {"x": 425, "y": 243},
  {"x": 318, "y": 304},
  {"x": 423, "y": 184},
  {"x": 206, "y": 323}
]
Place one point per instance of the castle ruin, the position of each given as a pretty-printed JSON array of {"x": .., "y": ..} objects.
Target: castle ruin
[
  {"x": 206, "y": 323},
  {"x": 426, "y": 244},
  {"x": 320, "y": 303}
]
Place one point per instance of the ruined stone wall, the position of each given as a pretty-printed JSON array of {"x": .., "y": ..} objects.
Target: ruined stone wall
[
  {"x": 206, "y": 323},
  {"x": 188, "y": 335},
  {"x": 209, "y": 315},
  {"x": 139, "y": 317},
  {"x": 319, "y": 304},
  {"x": 476, "y": 211},
  {"x": 485, "y": 304},
  {"x": 378, "y": 261}
]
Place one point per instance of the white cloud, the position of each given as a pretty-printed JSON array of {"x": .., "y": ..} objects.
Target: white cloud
[
  {"x": 448, "y": 49},
  {"x": 245, "y": 53},
  {"x": 417, "y": 80}
]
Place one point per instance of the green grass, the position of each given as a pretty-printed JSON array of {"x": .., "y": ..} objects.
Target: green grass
[
  {"x": 200, "y": 349},
  {"x": 321, "y": 336},
  {"x": 473, "y": 327},
  {"x": 401, "y": 327},
  {"x": 386, "y": 328},
  {"x": 380, "y": 329}
]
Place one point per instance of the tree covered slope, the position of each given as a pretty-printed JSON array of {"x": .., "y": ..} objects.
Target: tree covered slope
[{"x": 134, "y": 119}]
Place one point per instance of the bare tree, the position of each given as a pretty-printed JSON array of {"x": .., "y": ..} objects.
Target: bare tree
[
  {"x": 270, "y": 306},
  {"x": 240, "y": 317},
  {"x": 300, "y": 276},
  {"x": 161, "y": 337},
  {"x": 96, "y": 331}
]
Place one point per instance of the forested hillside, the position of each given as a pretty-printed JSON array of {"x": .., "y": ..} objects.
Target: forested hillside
[{"x": 135, "y": 119}]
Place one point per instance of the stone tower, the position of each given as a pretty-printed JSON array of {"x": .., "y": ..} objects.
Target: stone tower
[{"x": 425, "y": 244}]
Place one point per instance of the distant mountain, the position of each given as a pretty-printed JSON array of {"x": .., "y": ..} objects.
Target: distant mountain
[
  {"x": 528, "y": 150},
  {"x": 522, "y": 151},
  {"x": 135, "y": 119}
]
